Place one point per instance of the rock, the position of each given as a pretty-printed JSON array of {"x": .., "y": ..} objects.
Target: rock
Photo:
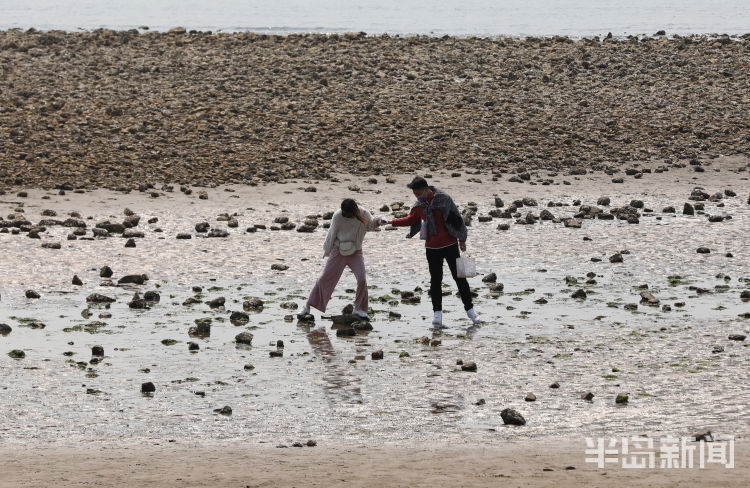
[
  {"x": 745, "y": 295},
  {"x": 311, "y": 443},
  {"x": 572, "y": 223},
  {"x": 490, "y": 278},
  {"x": 135, "y": 279},
  {"x": 217, "y": 233},
  {"x": 152, "y": 296},
  {"x": 555, "y": 385},
  {"x": 622, "y": 399},
  {"x": 588, "y": 396},
  {"x": 276, "y": 354},
  {"x": 737, "y": 337},
  {"x": 17, "y": 354},
  {"x": 138, "y": 303},
  {"x": 603, "y": 201},
  {"x": 688, "y": 209},
  {"x": 216, "y": 302},
  {"x": 202, "y": 328},
  {"x": 530, "y": 397},
  {"x": 77, "y": 281},
  {"x": 239, "y": 317},
  {"x": 512, "y": 417},
  {"x": 717, "y": 349},
  {"x": 105, "y": 272},
  {"x": 244, "y": 338},
  {"x": 579, "y": 294},
  {"x": 346, "y": 332},
  {"x": 184, "y": 235},
  {"x": 202, "y": 227},
  {"x": 499, "y": 202},
  {"x": 253, "y": 305},
  {"x": 225, "y": 410},
  {"x": 111, "y": 227},
  {"x": 32, "y": 294},
  {"x": 5, "y": 329},
  {"x": 98, "y": 298},
  {"x": 97, "y": 351},
  {"x": 469, "y": 366},
  {"x": 148, "y": 387},
  {"x": 615, "y": 258},
  {"x": 703, "y": 436},
  {"x": 376, "y": 355},
  {"x": 130, "y": 243},
  {"x": 279, "y": 267},
  {"x": 648, "y": 298},
  {"x": 248, "y": 367},
  {"x": 193, "y": 346},
  {"x": 703, "y": 250}
]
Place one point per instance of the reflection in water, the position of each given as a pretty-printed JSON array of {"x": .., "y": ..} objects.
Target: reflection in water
[{"x": 342, "y": 385}]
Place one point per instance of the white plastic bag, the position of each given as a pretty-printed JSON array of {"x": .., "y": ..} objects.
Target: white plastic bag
[{"x": 466, "y": 267}]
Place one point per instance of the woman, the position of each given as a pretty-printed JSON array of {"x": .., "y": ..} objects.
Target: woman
[{"x": 343, "y": 247}]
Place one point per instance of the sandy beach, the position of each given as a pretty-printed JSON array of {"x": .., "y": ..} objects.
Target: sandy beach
[{"x": 551, "y": 463}]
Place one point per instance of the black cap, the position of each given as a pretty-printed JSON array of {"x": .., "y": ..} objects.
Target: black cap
[{"x": 417, "y": 183}]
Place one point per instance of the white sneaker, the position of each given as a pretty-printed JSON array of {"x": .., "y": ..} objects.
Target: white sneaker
[
  {"x": 360, "y": 313},
  {"x": 438, "y": 318},
  {"x": 473, "y": 316},
  {"x": 303, "y": 312}
]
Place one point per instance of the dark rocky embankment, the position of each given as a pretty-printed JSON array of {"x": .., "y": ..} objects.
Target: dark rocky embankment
[{"x": 115, "y": 109}]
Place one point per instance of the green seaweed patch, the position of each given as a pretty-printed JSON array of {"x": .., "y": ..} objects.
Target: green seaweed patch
[
  {"x": 92, "y": 374},
  {"x": 610, "y": 377},
  {"x": 216, "y": 288},
  {"x": 169, "y": 342},
  {"x": 17, "y": 354}
]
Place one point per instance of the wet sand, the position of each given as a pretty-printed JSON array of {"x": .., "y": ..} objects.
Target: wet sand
[
  {"x": 66, "y": 419},
  {"x": 517, "y": 464}
]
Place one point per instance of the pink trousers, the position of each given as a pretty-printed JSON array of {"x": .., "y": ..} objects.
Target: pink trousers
[{"x": 323, "y": 289}]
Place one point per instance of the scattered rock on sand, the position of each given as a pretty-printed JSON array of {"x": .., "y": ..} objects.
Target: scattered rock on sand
[
  {"x": 216, "y": 302},
  {"x": 622, "y": 398},
  {"x": 135, "y": 279},
  {"x": 148, "y": 387},
  {"x": 77, "y": 281},
  {"x": 32, "y": 294},
  {"x": 105, "y": 272},
  {"x": 244, "y": 338},
  {"x": 253, "y": 305},
  {"x": 512, "y": 417},
  {"x": 5, "y": 329},
  {"x": 530, "y": 397},
  {"x": 469, "y": 366},
  {"x": 99, "y": 298}
]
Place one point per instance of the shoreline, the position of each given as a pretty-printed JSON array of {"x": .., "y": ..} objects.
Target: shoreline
[{"x": 281, "y": 32}]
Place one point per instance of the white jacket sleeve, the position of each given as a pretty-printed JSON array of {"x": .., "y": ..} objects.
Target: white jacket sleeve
[
  {"x": 331, "y": 237},
  {"x": 371, "y": 223}
]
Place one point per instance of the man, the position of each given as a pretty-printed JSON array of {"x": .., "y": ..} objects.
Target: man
[{"x": 437, "y": 219}]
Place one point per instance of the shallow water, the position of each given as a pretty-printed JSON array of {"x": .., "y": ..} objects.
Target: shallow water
[{"x": 326, "y": 387}]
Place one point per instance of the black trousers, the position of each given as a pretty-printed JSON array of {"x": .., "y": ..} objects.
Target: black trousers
[{"x": 435, "y": 259}]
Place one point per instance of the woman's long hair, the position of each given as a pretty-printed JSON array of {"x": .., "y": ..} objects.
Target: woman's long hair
[{"x": 349, "y": 208}]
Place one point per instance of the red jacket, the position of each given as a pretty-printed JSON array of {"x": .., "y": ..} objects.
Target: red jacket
[{"x": 441, "y": 239}]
